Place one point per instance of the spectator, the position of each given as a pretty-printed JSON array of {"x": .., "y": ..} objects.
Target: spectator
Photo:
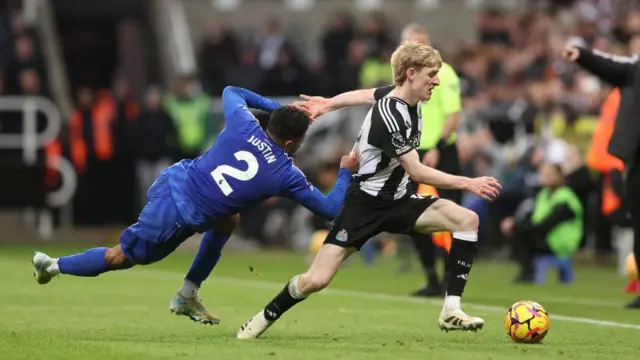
[
  {"x": 554, "y": 227},
  {"x": 336, "y": 40},
  {"x": 270, "y": 42},
  {"x": 13, "y": 121},
  {"x": 25, "y": 56},
  {"x": 493, "y": 29},
  {"x": 126, "y": 114},
  {"x": 29, "y": 83},
  {"x": 190, "y": 110},
  {"x": 218, "y": 52},
  {"x": 288, "y": 76},
  {"x": 156, "y": 141},
  {"x": 376, "y": 35},
  {"x": 91, "y": 152},
  {"x": 376, "y": 71},
  {"x": 247, "y": 74},
  {"x": 350, "y": 69}
]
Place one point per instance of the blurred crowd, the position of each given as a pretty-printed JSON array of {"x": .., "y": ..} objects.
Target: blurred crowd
[
  {"x": 22, "y": 69},
  {"x": 514, "y": 87}
]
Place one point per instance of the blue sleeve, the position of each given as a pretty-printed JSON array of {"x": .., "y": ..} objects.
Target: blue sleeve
[
  {"x": 306, "y": 194},
  {"x": 237, "y": 101}
]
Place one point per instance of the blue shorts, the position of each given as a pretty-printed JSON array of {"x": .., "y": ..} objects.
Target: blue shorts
[{"x": 160, "y": 228}]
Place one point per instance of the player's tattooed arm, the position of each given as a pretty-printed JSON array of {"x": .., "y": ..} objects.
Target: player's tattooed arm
[{"x": 319, "y": 105}]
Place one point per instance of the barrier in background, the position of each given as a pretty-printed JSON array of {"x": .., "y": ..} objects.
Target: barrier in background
[{"x": 30, "y": 141}]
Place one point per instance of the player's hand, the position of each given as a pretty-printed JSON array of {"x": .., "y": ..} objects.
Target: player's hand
[
  {"x": 350, "y": 162},
  {"x": 317, "y": 105},
  {"x": 304, "y": 106},
  {"x": 507, "y": 225},
  {"x": 431, "y": 158},
  {"x": 571, "y": 53},
  {"x": 486, "y": 187}
]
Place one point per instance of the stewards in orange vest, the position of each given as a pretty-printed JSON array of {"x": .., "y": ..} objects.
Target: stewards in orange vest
[{"x": 599, "y": 158}]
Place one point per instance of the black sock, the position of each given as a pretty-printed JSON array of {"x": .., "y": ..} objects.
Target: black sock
[
  {"x": 445, "y": 269},
  {"x": 461, "y": 258},
  {"x": 280, "y": 304},
  {"x": 427, "y": 255}
]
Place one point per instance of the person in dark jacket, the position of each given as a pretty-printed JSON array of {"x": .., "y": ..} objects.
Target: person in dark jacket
[
  {"x": 622, "y": 72},
  {"x": 156, "y": 142}
]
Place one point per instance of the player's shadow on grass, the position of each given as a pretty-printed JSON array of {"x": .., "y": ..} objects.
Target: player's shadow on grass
[
  {"x": 220, "y": 335},
  {"x": 315, "y": 338}
]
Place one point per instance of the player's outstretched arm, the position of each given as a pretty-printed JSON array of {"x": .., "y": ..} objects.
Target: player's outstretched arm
[
  {"x": 319, "y": 105},
  {"x": 486, "y": 187},
  {"x": 328, "y": 206},
  {"x": 236, "y": 98}
]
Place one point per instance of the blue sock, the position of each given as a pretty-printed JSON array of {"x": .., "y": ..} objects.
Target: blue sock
[
  {"x": 207, "y": 257},
  {"x": 88, "y": 264}
]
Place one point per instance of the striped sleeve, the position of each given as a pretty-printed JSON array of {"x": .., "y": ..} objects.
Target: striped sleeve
[
  {"x": 381, "y": 92},
  {"x": 389, "y": 129}
]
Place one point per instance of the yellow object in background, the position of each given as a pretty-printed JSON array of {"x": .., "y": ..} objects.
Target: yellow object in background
[
  {"x": 440, "y": 239},
  {"x": 631, "y": 269},
  {"x": 317, "y": 240}
]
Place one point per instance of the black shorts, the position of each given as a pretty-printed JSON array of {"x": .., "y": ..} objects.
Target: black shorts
[{"x": 363, "y": 217}]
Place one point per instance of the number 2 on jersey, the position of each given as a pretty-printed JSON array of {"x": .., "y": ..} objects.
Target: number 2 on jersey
[{"x": 220, "y": 171}]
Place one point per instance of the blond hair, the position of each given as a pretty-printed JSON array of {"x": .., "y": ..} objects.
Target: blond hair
[{"x": 411, "y": 54}]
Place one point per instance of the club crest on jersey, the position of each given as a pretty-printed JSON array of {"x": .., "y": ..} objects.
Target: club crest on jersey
[
  {"x": 342, "y": 235},
  {"x": 397, "y": 140}
]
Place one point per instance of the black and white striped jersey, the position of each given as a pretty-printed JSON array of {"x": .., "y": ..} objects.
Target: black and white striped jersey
[{"x": 391, "y": 128}]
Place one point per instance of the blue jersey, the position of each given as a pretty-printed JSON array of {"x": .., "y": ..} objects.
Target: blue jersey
[{"x": 243, "y": 167}]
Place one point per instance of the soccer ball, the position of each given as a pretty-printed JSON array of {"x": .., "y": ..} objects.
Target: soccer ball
[{"x": 527, "y": 322}]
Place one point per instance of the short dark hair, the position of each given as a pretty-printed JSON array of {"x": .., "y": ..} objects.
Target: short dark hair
[{"x": 288, "y": 123}]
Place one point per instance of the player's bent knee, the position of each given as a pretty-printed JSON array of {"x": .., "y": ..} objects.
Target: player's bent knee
[{"x": 116, "y": 259}]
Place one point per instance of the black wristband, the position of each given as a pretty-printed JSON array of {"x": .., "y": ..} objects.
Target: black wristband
[{"x": 441, "y": 144}]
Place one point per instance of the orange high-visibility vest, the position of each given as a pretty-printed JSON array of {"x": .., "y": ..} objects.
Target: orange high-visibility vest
[
  {"x": 598, "y": 157},
  {"x": 53, "y": 150},
  {"x": 102, "y": 114},
  {"x": 440, "y": 239}
]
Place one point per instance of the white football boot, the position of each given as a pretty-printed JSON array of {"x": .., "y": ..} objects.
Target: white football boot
[
  {"x": 454, "y": 319},
  {"x": 41, "y": 263},
  {"x": 253, "y": 328},
  {"x": 193, "y": 309}
]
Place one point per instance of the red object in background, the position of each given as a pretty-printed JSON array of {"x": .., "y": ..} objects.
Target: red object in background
[{"x": 633, "y": 287}]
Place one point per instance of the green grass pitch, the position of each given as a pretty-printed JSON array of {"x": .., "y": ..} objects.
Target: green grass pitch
[{"x": 363, "y": 315}]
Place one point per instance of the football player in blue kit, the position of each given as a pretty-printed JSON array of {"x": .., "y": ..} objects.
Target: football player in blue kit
[{"x": 246, "y": 165}]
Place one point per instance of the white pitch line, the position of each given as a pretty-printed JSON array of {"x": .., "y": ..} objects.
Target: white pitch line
[
  {"x": 385, "y": 297},
  {"x": 568, "y": 300},
  {"x": 406, "y": 299}
]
